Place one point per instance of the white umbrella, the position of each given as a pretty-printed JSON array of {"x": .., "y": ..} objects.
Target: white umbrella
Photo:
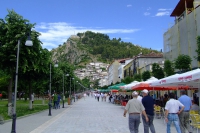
[
  {"x": 191, "y": 79},
  {"x": 163, "y": 81},
  {"x": 150, "y": 80},
  {"x": 128, "y": 86}
]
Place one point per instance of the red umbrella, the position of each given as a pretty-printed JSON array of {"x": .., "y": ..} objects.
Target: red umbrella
[
  {"x": 114, "y": 90},
  {"x": 147, "y": 86}
]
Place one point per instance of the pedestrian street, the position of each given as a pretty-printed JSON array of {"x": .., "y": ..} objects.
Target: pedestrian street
[{"x": 91, "y": 116}]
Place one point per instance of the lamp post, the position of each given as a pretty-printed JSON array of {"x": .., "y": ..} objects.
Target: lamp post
[
  {"x": 70, "y": 93},
  {"x": 77, "y": 89},
  {"x": 69, "y": 100},
  {"x": 56, "y": 65},
  {"x": 14, "y": 116},
  {"x": 63, "y": 98},
  {"x": 74, "y": 88}
]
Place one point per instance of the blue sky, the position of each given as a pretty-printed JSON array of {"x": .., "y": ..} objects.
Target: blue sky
[{"x": 142, "y": 22}]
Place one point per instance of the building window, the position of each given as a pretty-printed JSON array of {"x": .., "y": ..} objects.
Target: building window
[{"x": 124, "y": 73}]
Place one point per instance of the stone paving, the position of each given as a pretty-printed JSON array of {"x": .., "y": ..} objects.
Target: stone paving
[{"x": 84, "y": 116}]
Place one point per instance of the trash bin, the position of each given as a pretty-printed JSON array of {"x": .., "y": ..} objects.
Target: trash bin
[{"x": 69, "y": 101}]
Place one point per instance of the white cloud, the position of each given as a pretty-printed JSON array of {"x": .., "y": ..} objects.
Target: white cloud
[
  {"x": 53, "y": 34},
  {"x": 160, "y": 14},
  {"x": 149, "y": 8},
  {"x": 163, "y": 9},
  {"x": 146, "y": 13},
  {"x": 49, "y": 45},
  {"x": 129, "y": 5}
]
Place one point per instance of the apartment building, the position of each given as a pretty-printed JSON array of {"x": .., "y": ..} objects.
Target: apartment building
[
  {"x": 93, "y": 71},
  {"x": 113, "y": 72},
  {"x": 180, "y": 38},
  {"x": 116, "y": 70},
  {"x": 143, "y": 63},
  {"x": 125, "y": 69}
]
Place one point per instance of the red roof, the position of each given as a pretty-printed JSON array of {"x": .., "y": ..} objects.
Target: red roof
[
  {"x": 152, "y": 54},
  {"x": 120, "y": 61}
]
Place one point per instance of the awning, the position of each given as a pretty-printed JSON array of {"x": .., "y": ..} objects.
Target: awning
[
  {"x": 116, "y": 87},
  {"x": 190, "y": 79},
  {"x": 147, "y": 86}
]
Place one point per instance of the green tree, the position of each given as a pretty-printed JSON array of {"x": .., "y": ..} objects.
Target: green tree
[
  {"x": 137, "y": 77},
  {"x": 146, "y": 75},
  {"x": 109, "y": 49},
  {"x": 183, "y": 62},
  {"x": 96, "y": 83},
  {"x": 128, "y": 80},
  {"x": 157, "y": 71},
  {"x": 198, "y": 49},
  {"x": 13, "y": 28},
  {"x": 3, "y": 80},
  {"x": 86, "y": 82},
  {"x": 168, "y": 68}
]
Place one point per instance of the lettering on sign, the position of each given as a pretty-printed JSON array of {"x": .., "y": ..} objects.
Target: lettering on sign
[
  {"x": 163, "y": 81},
  {"x": 180, "y": 78},
  {"x": 187, "y": 78}
]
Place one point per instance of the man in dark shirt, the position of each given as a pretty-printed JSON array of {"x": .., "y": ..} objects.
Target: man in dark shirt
[{"x": 148, "y": 104}]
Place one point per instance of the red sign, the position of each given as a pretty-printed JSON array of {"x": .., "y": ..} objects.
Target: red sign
[
  {"x": 188, "y": 77},
  {"x": 163, "y": 81},
  {"x": 180, "y": 79}
]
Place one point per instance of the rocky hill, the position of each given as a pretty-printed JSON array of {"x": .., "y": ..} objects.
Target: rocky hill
[
  {"x": 70, "y": 52},
  {"x": 92, "y": 47}
]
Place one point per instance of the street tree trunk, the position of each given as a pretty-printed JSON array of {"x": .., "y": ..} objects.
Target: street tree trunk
[
  {"x": 30, "y": 92},
  {"x": 10, "y": 99}
]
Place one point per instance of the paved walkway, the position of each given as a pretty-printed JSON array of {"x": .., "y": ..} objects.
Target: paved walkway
[{"x": 84, "y": 116}]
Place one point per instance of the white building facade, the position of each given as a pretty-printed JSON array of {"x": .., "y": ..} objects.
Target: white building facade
[{"x": 180, "y": 38}]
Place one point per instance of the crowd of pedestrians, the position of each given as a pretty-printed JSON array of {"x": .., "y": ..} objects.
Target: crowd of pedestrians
[
  {"x": 56, "y": 98},
  {"x": 141, "y": 107}
]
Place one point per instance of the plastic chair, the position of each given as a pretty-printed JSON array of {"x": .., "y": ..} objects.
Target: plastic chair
[
  {"x": 193, "y": 112},
  {"x": 157, "y": 110},
  {"x": 195, "y": 121}
]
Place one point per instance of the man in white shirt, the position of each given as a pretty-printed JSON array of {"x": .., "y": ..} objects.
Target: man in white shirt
[
  {"x": 172, "y": 111},
  {"x": 102, "y": 97},
  {"x": 139, "y": 98},
  {"x": 84, "y": 95},
  {"x": 105, "y": 96},
  {"x": 135, "y": 108}
]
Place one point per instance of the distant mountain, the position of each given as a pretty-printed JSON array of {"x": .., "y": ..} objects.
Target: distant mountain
[{"x": 92, "y": 47}]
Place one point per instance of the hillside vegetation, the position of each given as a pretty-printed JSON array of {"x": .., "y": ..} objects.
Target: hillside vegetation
[{"x": 90, "y": 47}]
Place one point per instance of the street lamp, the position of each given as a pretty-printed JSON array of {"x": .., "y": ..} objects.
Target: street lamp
[
  {"x": 77, "y": 88},
  {"x": 63, "y": 91},
  {"x": 69, "y": 100},
  {"x": 14, "y": 117},
  {"x": 56, "y": 65},
  {"x": 74, "y": 89},
  {"x": 70, "y": 93}
]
